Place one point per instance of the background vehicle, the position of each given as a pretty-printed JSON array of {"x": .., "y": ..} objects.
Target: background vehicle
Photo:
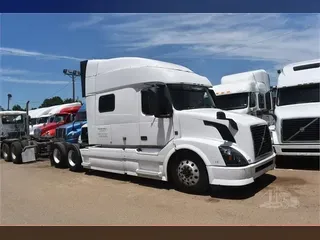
[
  {"x": 14, "y": 127},
  {"x": 70, "y": 132},
  {"x": 168, "y": 129},
  {"x": 38, "y": 118},
  {"x": 246, "y": 92},
  {"x": 296, "y": 131},
  {"x": 60, "y": 115}
]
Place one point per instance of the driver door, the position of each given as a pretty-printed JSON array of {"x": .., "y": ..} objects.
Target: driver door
[{"x": 154, "y": 132}]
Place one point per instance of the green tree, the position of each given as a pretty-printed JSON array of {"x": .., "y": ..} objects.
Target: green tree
[
  {"x": 1, "y": 108},
  {"x": 68, "y": 100},
  {"x": 48, "y": 102},
  {"x": 17, "y": 107}
]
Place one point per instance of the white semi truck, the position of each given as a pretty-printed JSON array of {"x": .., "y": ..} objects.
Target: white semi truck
[
  {"x": 158, "y": 120},
  {"x": 246, "y": 92},
  {"x": 296, "y": 131}
]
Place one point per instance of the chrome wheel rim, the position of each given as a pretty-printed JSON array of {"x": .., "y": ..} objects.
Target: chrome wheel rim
[
  {"x": 5, "y": 153},
  {"x": 70, "y": 158},
  {"x": 56, "y": 156},
  {"x": 12, "y": 154},
  {"x": 188, "y": 173}
]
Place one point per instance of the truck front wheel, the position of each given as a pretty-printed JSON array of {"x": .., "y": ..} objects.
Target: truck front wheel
[
  {"x": 6, "y": 153},
  {"x": 189, "y": 174},
  {"x": 74, "y": 158},
  {"x": 59, "y": 155},
  {"x": 16, "y": 150}
]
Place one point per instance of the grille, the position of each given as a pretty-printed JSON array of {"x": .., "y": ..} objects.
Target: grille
[
  {"x": 300, "y": 130},
  {"x": 37, "y": 132},
  {"x": 84, "y": 135},
  {"x": 60, "y": 132},
  {"x": 261, "y": 140}
]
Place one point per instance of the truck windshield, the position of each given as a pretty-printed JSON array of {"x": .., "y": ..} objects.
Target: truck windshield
[
  {"x": 232, "y": 101},
  {"x": 42, "y": 120},
  {"x": 59, "y": 118},
  {"x": 12, "y": 119},
  {"x": 186, "y": 96},
  {"x": 298, "y": 94},
  {"x": 81, "y": 116},
  {"x": 33, "y": 121}
]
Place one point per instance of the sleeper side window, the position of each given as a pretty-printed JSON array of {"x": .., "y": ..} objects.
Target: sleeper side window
[{"x": 107, "y": 103}]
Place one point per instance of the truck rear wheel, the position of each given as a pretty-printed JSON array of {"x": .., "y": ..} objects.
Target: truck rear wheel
[
  {"x": 6, "y": 153},
  {"x": 189, "y": 174},
  {"x": 59, "y": 155},
  {"x": 74, "y": 158},
  {"x": 16, "y": 150}
]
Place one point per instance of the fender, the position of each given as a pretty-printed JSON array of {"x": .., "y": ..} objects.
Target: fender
[
  {"x": 186, "y": 144},
  {"x": 51, "y": 132}
]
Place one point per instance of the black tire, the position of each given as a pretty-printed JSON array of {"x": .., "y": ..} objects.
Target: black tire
[
  {"x": 189, "y": 174},
  {"x": 59, "y": 155},
  {"x": 6, "y": 153},
  {"x": 24, "y": 143},
  {"x": 16, "y": 150},
  {"x": 74, "y": 158}
]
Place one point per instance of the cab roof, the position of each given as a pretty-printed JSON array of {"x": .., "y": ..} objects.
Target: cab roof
[
  {"x": 107, "y": 74},
  {"x": 12, "y": 112}
]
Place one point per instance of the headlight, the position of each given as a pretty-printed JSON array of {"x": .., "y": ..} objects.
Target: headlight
[{"x": 232, "y": 157}]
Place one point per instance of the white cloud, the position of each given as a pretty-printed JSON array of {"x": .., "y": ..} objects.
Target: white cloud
[
  {"x": 9, "y": 71},
  {"x": 275, "y": 38},
  {"x": 25, "y": 53},
  {"x": 27, "y": 81}
]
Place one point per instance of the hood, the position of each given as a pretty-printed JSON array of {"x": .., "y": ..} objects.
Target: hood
[
  {"x": 192, "y": 125},
  {"x": 76, "y": 125},
  {"x": 241, "y": 111},
  {"x": 210, "y": 114},
  {"x": 298, "y": 111}
]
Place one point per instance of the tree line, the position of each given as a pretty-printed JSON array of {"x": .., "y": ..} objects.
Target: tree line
[{"x": 48, "y": 102}]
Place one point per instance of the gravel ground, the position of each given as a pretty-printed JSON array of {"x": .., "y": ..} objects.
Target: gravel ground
[{"x": 38, "y": 194}]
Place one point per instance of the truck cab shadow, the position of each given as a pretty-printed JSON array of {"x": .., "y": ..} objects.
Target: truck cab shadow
[
  {"x": 214, "y": 191},
  {"x": 298, "y": 163},
  {"x": 243, "y": 192}
]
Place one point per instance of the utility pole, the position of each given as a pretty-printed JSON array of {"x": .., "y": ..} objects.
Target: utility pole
[
  {"x": 9, "y": 98},
  {"x": 73, "y": 74}
]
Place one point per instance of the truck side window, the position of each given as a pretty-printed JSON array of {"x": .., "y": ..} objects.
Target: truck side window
[
  {"x": 252, "y": 99},
  {"x": 268, "y": 101},
  {"x": 146, "y": 103},
  {"x": 107, "y": 103},
  {"x": 261, "y": 101}
]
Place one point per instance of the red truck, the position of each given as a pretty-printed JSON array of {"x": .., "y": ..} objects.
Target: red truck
[{"x": 64, "y": 116}]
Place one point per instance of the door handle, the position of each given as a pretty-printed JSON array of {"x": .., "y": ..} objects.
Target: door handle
[{"x": 144, "y": 138}]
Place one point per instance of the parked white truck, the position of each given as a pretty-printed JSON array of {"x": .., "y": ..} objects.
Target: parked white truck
[
  {"x": 297, "y": 112},
  {"x": 246, "y": 92},
  {"x": 158, "y": 120}
]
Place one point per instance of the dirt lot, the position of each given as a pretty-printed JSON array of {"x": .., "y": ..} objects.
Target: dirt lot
[{"x": 37, "y": 193}]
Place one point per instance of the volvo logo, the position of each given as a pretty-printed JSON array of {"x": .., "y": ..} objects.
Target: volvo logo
[{"x": 302, "y": 129}]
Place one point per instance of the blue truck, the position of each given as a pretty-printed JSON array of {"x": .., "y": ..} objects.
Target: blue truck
[{"x": 70, "y": 132}]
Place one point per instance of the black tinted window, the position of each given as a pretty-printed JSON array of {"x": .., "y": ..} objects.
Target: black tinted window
[
  {"x": 268, "y": 100},
  {"x": 261, "y": 101},
  {"x": 252, "y": 100},
  {"x": 107, "y": 103},
  {"x": 148, "y": 102},
  {"x": 298, "y": 94}
]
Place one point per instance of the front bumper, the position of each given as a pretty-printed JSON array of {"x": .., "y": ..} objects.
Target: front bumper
[
  {"x": 297, "y": 149},
  {"x": 240, "y": 176}
]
